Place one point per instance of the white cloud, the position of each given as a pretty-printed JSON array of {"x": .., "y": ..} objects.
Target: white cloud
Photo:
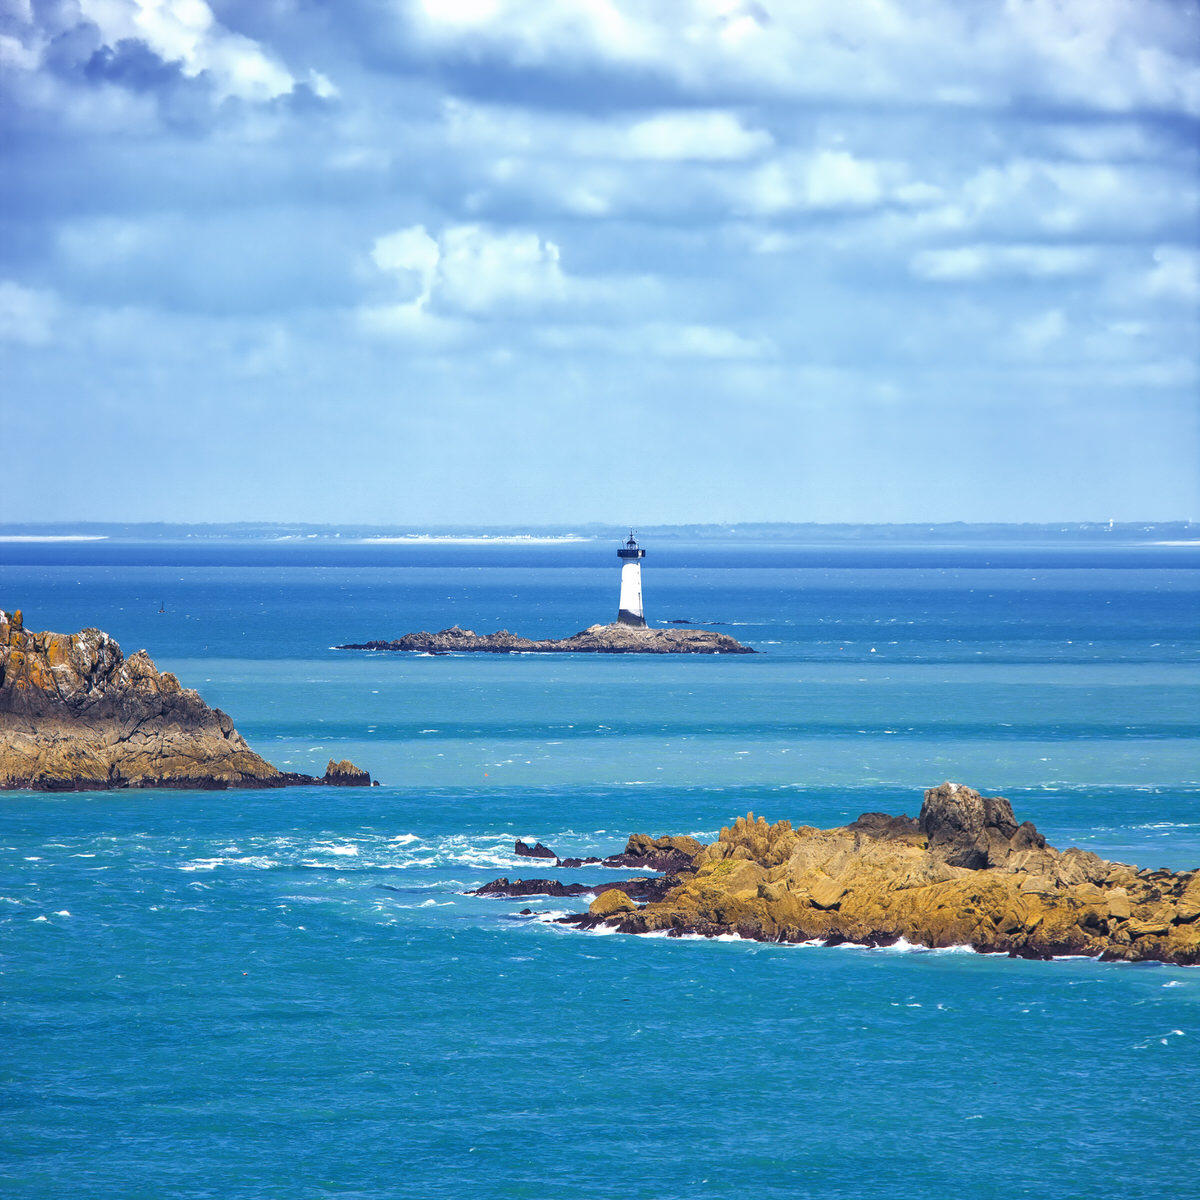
[
  {"x": 409, "y": 252},
  {"x": 981, "y": 262},
  {"x": 690, "y": 135},
  {"x": 480, "y": 270},
  {"x": 1111, "y": 55},
  {"x": 472, "y": 269},
  {"x": 657, "y": 339},
  {"x": 825, "y": 179},
  {"x": 710, "y": 134},
  {"x": 26, "y": 314},
  {"x": 703, "y": 341},
  {"x": 185, "y": 31}
]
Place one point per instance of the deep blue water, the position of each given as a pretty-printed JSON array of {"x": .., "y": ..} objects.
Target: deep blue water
[{"x": 286, "y": 995}]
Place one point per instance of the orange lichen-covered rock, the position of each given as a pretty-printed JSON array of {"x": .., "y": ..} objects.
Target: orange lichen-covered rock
[
  {"x": 75, "y": 713},
  {"x": 964, "y": 873}
]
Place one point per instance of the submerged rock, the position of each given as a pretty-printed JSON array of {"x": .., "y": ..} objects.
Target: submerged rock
[
  {"x": 77, "y": 715},
  {"x": 964, "y": 873},
  {"x": 597, "y": 639}
]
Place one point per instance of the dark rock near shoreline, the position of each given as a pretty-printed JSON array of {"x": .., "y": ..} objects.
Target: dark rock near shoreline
[
  {"x": 964, "y": 873},
  {"x": 77, "y": 715},
  {"x": 598, "y": 639},
  {"x": 672, "y": 856},
  {"x": 643, "y": 889},
  {"x": 641, "y": 853},
  {"x": 524, "y": 850}
]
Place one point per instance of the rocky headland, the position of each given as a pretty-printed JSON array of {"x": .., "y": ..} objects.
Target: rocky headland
[
  {"x": 596, "y": 639},
  {"x": 76, "y": 715},
  {"x": 963, "y": 873}
]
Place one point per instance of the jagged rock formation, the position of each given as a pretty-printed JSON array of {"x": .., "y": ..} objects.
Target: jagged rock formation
[
  {"x": 76, "y": 714},
  {"x": 666, "y": 854},
  {"x": 963, "y": 873},
  {"x": 345, "y": 774},
  {"x": 596, "y": 639}
]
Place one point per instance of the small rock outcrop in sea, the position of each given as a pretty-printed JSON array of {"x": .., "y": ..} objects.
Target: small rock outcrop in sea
[
  {"x": 76, "y": 714},
  {"x": 964, "y": 873},
  {"x": 669, "y": 855},
  {"x": 596, "y": 639}
]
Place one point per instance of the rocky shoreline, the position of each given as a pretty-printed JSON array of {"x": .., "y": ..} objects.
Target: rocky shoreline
[
  {"x": 77, "y": 715},
  {"x": 596, "y": 639},
  {"x": 963, "y": 873}
]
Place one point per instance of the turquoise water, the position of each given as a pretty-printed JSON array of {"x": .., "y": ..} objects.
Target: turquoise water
[{"x": 286, "y": 995}]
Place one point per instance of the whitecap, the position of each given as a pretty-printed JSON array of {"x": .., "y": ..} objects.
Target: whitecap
[
  {"x": 62, "y": 912},
  {"x": 210, "y": 864}
]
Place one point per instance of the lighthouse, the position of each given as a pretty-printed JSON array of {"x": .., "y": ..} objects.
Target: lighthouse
[{"x": 630, "y": 610}]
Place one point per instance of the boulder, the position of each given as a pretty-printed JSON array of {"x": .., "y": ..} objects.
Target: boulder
[{"x": 611, "y": 902}]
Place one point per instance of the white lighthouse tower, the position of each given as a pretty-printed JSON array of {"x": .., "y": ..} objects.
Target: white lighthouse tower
[{"x": 630, "y": 610}]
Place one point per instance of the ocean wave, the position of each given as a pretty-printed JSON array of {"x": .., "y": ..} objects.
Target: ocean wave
[{"x": 380, "y": 852}]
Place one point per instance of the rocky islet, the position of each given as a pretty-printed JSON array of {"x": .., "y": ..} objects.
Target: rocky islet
[
  {"x": 76, "y": 714},
  {"x": 596, "y": 639},
  {"x": 963, "y": 873}
]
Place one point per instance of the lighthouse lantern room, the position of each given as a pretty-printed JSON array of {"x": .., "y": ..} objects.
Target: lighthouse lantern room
[{"x": 630, "y": 610}]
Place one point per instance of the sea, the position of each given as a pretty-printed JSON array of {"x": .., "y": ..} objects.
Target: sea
[{"x": 288, "y": 994}]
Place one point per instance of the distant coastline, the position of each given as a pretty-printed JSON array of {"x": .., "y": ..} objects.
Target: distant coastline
[{"x": 1157, "y": 533}]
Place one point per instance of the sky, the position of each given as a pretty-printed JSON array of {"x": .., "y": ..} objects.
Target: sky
[{"x": 425, "y": 262}]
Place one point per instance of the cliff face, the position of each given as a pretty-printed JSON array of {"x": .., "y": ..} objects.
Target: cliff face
[
  {"x": 597, "y": 639},
  {"x": 75, "y": 713},
  {"x": 963, "y": 873}
]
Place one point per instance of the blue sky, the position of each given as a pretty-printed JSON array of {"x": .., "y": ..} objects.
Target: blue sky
[{"x": 497, "y": 261}]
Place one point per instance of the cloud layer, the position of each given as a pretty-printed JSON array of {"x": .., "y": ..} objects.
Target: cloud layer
[{"x": 846, "y": 260}]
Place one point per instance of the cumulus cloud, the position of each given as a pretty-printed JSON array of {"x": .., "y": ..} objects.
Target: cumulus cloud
[
  {"x": 825, "y": 179},
  {"x": 187, "y": 32},
  {"x": 146, "y": 46},
  {"x": 647, "y": 199},
  {"x": 472, "y": 270}
]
